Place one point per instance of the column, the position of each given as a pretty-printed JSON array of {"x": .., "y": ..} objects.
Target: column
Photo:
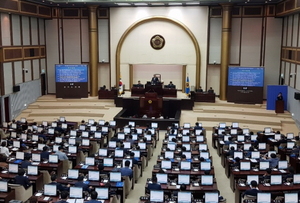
[
  {"x": 93, "y": 43},
  {"x": 225, "y": 48}
]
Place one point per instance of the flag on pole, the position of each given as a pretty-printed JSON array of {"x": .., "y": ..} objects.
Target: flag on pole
[
  {"x": 121, "y": 87},
  {"x": 187, "y": 85}
]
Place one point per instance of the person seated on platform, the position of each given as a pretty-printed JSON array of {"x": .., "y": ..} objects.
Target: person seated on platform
[
  {"x": 103, "y": 87},
  {"x": 113, "y": 88},
  {"x": 21, "y": 179},
  {"x": 171, "y": 85},
  {"x": 26, "y": 162},
  {"x": 273, "y": 160},
  {"x": 94, "y": 196},
  {"x": 211, "y": 91},
  {"x": 61, "y": 155},
  {"x": 279, "y": 96},
  {"x": 139, "y": 84},
  {"x": 80, "y": 183},
  {"x": 154, "y": 80},
  {"x": 126, "y": 171},
  {"x": 200, "y": 89},
  {"x": 63, "y": 196},
  {"x": 154, "y": 185},
  {"x": 59, "y": 186},
  {"x": 253, "y": 191}
]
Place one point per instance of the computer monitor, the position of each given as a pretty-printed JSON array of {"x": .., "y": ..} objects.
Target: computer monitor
[
  {"x": 58, "y": 140},
  {"x": 85, "y": 134},
  {"x": 183, "y": 179},
  {"x": 169, "y": 154},
  {"x": 112, "y": 144},
  {"x": 296, "y": 178},
  {"x": 85, "y": 142},
  {"x": 137, "y": 153},
  {"x": 185, "y": 138},
  {"x": 185, "y": 131},
  {"x": 154, "y": 125},
  {"x": 211, "y": 197},
  {"x": 187, "y": 147},
  {"x": 13, "y": 168},
  {"x": 283, "y": 164},
  {"x": 263, "y": 197},
  {"x": 207, "y": 180},
  {"x": 3, "y": 186},
  {"x": 222, "y": 125},
  {"x": 156, "y": 196},
  {"x": 198, "y": 131},
  {"x": 14, "y": 126},
  {"x": 50, "y": 190},
  {"x": 115, "y": 177},
  {"x": 238, "y": 154},
  {"x": 62, "y": 119},
  {"x": 139, "y": 131},
  {"x": 51, "y": 131},
  {"x": 246, "y": 131},
  {"x": 119, "y": 153},
  {"x": 247, "y": 146},
  {"x": 73, "y": 173},
  {"x": 53, "y": 158},
  {"x": 72, "y": 149},
  {"x": 205, "y": 166},
  {"x": 220, "y": 131},
  {"x": 148, "y": 137},
  {"x": 290, "y": 136},
  {"x": 98, "y": 135},
  {"x": 240, "y": 138},
  {"x": 199, "y": 138},
  {"x": 90, "y": 161},
  {"x": 171, "y": 146},
  {"x": 233, "y": 131},
  {"x": 40, "y": 129},
  {"x": 53, "y": 124},
  {"x": 76, "y": 192},
  {"x": 73, "y": 133},
  {"x": 103, "y": 193},
  {"x": 64, "y": 126},
  {"x": 276, "y": 180},
  {"x": 36, "y": 157},
  {"x": 205, "y": 155},
  {"x": 188, "y": 155},
  {"x": 251, "y": 178},
  {"x": 142, "y": 145},
  {"x": 20, "y": 155},
  {"x": 186, "y": 125},
  {"x": 4, "y": 124},
  {"x": 235, "y": 125},
  {"x": 268, "y": 130},
  {"x": 245, "y": 166},
  {"x": 253, "y": 137},
  {"x": 93, "y": 128},
  {"x": 35, "y": 138},
  {"x": 108, "y": 162},
  {"x": 202, "y": 147},
  {"x": 165, "y": 164},
  {"x": 121, "y": 136},
  {"x": 103, "y": 152},
  {"x": 112, "y": 123},
  {"x": 55, "y": 148},
  {"x": 170, "y": 137},
  {"x": 91, "y": 121},
  {"x": 127, "y": 130},
  {"x": 277, "y": 136},
  {"x": 291, "y": 197},
  {"x": 232, "y": 145},
  {"x": 290, "y": 145},
  {"x": 24, "y": 136},
  {"x": 271, "y": 152},
  {"x": 101, "y": 122},
  {"x": 184, "y": 197},
  {"x": 32, "y": 170},
  {"x": 185, "y": 165},
  {"x": 41, "y": 146},
  {"x": 127, "y": 145},
  {"x": 16, "y": 144},
  {"x": 124, "y": 160},
  {"x": 255, "y": 155},
  {"x": 263, "y": 165},
  {"x": 72, "y": 141},
  {"x": 162, "y": 178},
  {"x": 93, "y": 175},
  {"x": 82, "y": 127},
  {"x": 132, "y": 123},
  {"x": 262, "y": 146}
]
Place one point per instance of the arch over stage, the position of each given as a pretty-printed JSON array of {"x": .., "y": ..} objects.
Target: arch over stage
[{"x": 159, "y": 18}]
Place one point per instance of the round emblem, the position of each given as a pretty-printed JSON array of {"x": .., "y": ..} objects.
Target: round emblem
[
  {"x": 150, "y": 101},
  {"x": 157, "y": 42}
]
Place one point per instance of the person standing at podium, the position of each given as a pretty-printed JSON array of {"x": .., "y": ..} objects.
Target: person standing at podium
[
  {"x": 154, "y": 80},
  {"x": 279, "y": 96}
]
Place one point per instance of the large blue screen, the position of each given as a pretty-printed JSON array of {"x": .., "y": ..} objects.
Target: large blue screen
[
  {"x": 71, "y": 73},
  {"x": 246, "y": 76}
]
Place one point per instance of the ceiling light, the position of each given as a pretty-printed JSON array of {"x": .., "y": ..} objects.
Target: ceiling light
[
  {"x": 123, "y": 4},
  {"x": 157, "y": 4},
  {"x": 192, "y": 3},
  {"x": 175, "y": 4},
  {"x": 140, "y": 4}
]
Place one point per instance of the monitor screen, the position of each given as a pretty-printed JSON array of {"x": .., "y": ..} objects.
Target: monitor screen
[
  {"x": 154, "y": 125},
  {"x": 263, "y": 197},
  {"x": 185, "y": 165},
  {"x": 185, "y": 138},
  {"x": 53, "y": 158},
  {"x": 211, "y": 197},
  {"x": 103, "y": 193},
  {"x": 205, "y": 166},
  {"x": 246, "y": 131},
  {"x": 119, "y": 153},
  {"x": 85, "y": 134},
  {"x": 4, "y": 124},
  {"x": 148, "y": 137},
  {"x": 14, "y": 126},
  {"x": 186, "y": 125},
  {"x": 101, "y": 122},
  {"x": 62, "y": 119},
  {"x": 170, "y": 137},
  {"x": 139, "y": 131},
  {"x": 73, "y": 173},
  {"x": 262, "y": 146},
  {"x": 102, "y": 152},
  {"x": 73, "y": 133},
  {"x": 240, "y": 138},
  {"x": 245, "y": 166},
  {"x": 198, "y": 131},
  {"x": 276, "y": 179},
  {"x": 85, "y": 142},
  {"x": 54, "y": 125},
  {"x": 3, "y": 186},
  {"x": 36, "y": 157},
  {"x": 104, "y": 129},
  {"x": 251, "y": 178},
  {"x": 169, "y": 154},
  {"x": 56, "y": 148},
  {"x": 93, "y": 128},
  {"x": 247, "y": 146},
  {"x": 207, "y": 180},
  {"x": 165, "y": 164},
  {"x": 268, "y": 130},
  {"x": 290, "y": 135},
  {"x": 82, "y": 127},
  {"x": 41, "y": 146},
  {"x": 142, "y": 145},
  {"x": 91, "y": 121},
  {"x": 64, "y": 125},
  {"x": 115, "y": 177},
  {"x": 24, "y": 136},
  {"x": 232, "y": 145},
  {"x": 290, "y": 145},
  {"x": 238, "y": 154},
  {"x": 156, "y": 195},
  {"x": 94, "y": 175},
  {"x": 183, "y": 179},
  {"x": 235, "y": 125},
  {"x": 50, "y": 190},
  {"x": 271, "y": 152},
  {"x": 162, "y": 178},
  {"x": 72, "y": 141},
  {"x": 127, "y": 145},
  {"x": 76, "y": 192},
  {"x": 13, "y": 168},
  {"x": 16, "y": 144},
  {"x": 58, "y": 140},
  {"x": 124, "y": 160},
  {"x": 233, "y": 131},
  {"x": 222, "y": 125},
  {"x": 40, "y": 129},
  {"x": 263, "y": 165},
  {"x": 112, "y": 123},
  {"x": 200, "y": 138},
  {"x": 20, "y": 155},
  {"x": 51, "y": 131},
  {"x": 188, "y": 155},
  {"x": 72, "y": 149},
  {"x": 90, "y": 161},
  {"x": 220, "y": 131},
  {"x": 137, "y": 153},
  {"x": 202, "y": 147},
  {"x": 296, "y": 178},
  {"x": 282, "y": 164},
  {"x": 291, "y": 197},
  {"x": 112, "y": 144},
  {"x": 13, "y": 134},
  {"x": 32, "y": 170},
  {"x": 35, "y": 138},
  {"x": 184, "y": 197},
  {"x": 98, "y": 135},
  {"x": 277, "y": 136},
  {"x": 121, "y": 136},
  {"x": 185, "y": 131},
  {"x": 205, "y": 155},
  {"x": 109, "y": 162}
]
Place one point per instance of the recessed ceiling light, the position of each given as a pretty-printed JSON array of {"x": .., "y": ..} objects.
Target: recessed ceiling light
[
  {"x": 157, "y": 4},
  {"x": 175, "y": 4},
  {"x": 140, "y": 4},
  {"x": 123, "y": 4},
  {"x": 192, "y": 3}
]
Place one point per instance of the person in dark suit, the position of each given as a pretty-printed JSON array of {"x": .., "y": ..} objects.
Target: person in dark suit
[
  {"x": 26, "y": 162},
  {"x": 21, "y": 179},
  {"x": 45, "y": 154},
  {"x": 200, "y": 89},
  {"x": 64, "y": 196},
  {"x": 154, "y": 80},
  {"x": 94, "y": 196},
  {"x": 279, "y": 96},
  {"x": 154, "y": 185},
  {"x": 139, "y": 84},
  {"x": 197, "y": 126},
  {"x": 59, "y": 186},
  {"x": 81, "y": 184},
  {"x": 211, "y": 91},
  {"x": 253, "y": 189}
]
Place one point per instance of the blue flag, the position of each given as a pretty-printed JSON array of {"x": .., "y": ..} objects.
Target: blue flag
[{"x": 187, "y": 85}]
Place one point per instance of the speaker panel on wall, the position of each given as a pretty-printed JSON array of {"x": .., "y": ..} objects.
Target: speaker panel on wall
[
  {"x": 16, "y": 88},
  {"x": 297, "y": 95}
]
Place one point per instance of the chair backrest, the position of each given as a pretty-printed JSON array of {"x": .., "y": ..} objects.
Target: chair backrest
[
  {"x": 127, "y": 184},
  {"x": 21, "y": 193},
  {"x": 65, "y": 166},
  {"x": 250, "y": 197},
  {"x": 46, "y": 177}
]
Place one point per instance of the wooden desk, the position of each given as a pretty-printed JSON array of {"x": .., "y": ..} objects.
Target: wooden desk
[
  {"x": 38, "y": 179},
  {"x": 204, "y": 97},
  {"x": 7, "y": 196},
  {"x": 137, "y": 91},
  {"x": 58, "y": 168},
  {"x": 40, "y": 199},
  {"x": 169, "y": 92},
  {"x": 155, "y": 88},
  {"x": 107, "y": 94}
]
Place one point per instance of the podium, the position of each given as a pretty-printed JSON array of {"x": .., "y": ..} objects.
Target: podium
[
  {"x": 151, "y": 105},
  {"x": 279, "y": 106}
]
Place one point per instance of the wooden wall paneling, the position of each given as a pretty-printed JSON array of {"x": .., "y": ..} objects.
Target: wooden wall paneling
[
  {"x": 35, "y": 69},
  {"x": 292, "y": 74},
  {"x": 16, "y": 32},
  {"x": 103, "y": 40},
  {"x": 28, "y": 70},
  {"x": 18, "y": 72},
  {"x": 215, "y": 37},
  {"x": 289, "y": 31},
  {"x": 8, "y": 78},
  {"x": 41, "y": 26},
  {"x": 25, "y": 31},
  {"x": 5, "y": 29},
  {"x": 284, "y": 37},
  {"x": 85, "y": 40},
  {"x": 295, "y": 30},
  {"x": 34, "y": 37},
  {"x": 235, "y": 41},
  {"x": 287, "y": 73},
  {"x": 297, "y": 79}
]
